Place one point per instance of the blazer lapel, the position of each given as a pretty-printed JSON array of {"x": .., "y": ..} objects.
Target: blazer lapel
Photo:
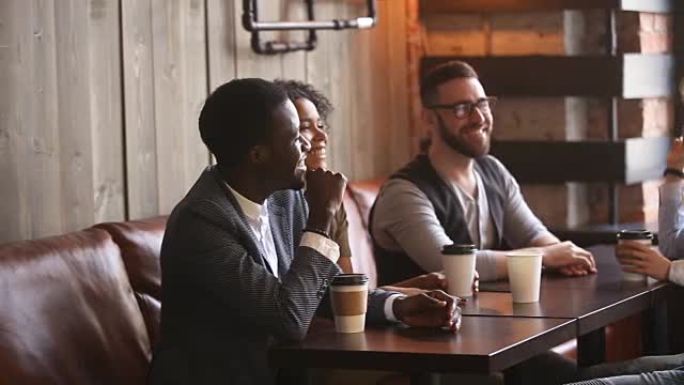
[
  {"x": 248, "y": 238},
  {"x": 282, "y": 235}
]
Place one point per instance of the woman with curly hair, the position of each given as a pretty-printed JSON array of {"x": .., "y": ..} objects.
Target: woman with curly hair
[{"x": 313, "y": 109}]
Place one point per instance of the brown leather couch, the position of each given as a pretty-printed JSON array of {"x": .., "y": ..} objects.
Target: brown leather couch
[
  {"x": 68, "y": 313},
  {"x": 84, "y": 307}
]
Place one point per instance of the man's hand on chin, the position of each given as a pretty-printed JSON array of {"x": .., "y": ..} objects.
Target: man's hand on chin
[{"x": 433, "y": 308}]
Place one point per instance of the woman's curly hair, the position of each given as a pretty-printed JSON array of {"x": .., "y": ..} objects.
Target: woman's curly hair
[{"x": 296, "y": 89}]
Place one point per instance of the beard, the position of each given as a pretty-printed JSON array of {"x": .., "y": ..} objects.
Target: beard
[{"x": 459, "y": 144}]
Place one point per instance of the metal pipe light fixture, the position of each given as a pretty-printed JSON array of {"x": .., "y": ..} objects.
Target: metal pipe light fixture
[{"x": 250, "y": 21}]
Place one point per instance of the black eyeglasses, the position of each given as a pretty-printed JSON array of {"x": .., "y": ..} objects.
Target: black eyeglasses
[{"x": 463, "y": 110}]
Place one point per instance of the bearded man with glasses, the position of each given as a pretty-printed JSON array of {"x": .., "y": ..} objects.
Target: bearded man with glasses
[{"x": 456, "y": 193}]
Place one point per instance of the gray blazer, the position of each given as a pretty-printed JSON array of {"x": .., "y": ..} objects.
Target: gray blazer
[{"x": 222, "y": 307}]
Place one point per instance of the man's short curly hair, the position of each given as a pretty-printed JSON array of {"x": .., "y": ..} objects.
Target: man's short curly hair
[
  {"x": 237, "y": 116},
  {"x": 296, "y": 90}
]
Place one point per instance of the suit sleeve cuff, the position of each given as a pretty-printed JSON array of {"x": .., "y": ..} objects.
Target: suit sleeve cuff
[
  {"x": 327, "y": 247},
  {"x": 677, "y": 272},
  {"x": 389, "y": 307}
]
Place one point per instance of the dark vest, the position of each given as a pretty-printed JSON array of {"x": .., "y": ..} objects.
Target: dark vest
[{"x": 397, "y": 266}]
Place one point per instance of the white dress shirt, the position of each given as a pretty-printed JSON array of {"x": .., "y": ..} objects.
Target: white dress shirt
[{"x": 258, "y": 220}]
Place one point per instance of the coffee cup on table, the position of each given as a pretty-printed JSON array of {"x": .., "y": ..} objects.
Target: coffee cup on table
[
  {"x": 524, "y": 274},
  {"x": 458, "y": 262},
  {"x": 349, "y": 296},
  {"x": 634, "y": 236}
]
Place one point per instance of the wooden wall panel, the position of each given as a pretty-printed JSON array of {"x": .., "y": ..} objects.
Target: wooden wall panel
[
  {"x": 326, "y": 71},
  {"x": 180, "y": 87},
  {"x": 31, "y": 187},
  {"x": 368, "y": 87},
  {"x": 98, "y": 120},
  {"x": 398, "y": 106},
  {"x": 38, "y": 156},
  {"x": 13, "y": 223},
  {"x": 9, "y": 213},
  {"x": 73, "y": 132},
  {"x": 379, "y": 106},
  {"x": 221, "y": 18},
  {"x": 60, "y": 124},
  {"x": 106, "y": 110},
  {"x": 139, "y": 97},
  {"x": 249, "y": 64},
  {"x": 364, "y": 73},
  {"x": 165, "y": 85},
  {"x": 293, "y": 65}
]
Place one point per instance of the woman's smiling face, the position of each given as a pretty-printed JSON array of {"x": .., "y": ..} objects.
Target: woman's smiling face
[{"x": 313, "y": 128}]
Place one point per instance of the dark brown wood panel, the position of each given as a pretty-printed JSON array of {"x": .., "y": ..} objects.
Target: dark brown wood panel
[
  {"x": 626, "y": 76},
  {"x": 479, "y": 6},
  {"x": 484, "y": 345},
  {"x": 626, "y": 161},
  {"x": 595, "y": 234}
]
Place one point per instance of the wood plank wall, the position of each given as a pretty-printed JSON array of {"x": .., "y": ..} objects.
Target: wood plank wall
[{"x": 100, "y": 99}]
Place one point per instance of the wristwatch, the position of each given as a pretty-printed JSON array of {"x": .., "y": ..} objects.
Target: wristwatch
[{"x": 325, "y": 233}]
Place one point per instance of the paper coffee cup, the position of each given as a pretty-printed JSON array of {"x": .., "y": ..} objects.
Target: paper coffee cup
[
  {"x": 634, "y": 236},
  {"x": 524, "y": 274},
  {"x": 349, "y": 296},
  {"x": 458, "y": 262}
]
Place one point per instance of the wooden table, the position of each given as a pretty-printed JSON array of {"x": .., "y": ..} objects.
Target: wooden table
[
  {"x": 595, "y": 301},
  {"x": 484, "y": 345},
  {"x": 495, "y": 335}
]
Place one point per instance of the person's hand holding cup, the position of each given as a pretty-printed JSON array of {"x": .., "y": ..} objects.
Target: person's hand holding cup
[
  {"x": 626, "y": 238},
  {"x": 643, "y": 259}
]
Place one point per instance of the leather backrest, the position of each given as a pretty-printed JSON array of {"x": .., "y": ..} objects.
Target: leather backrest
[
  {"x": 365, "y": 192},
  {"x": 358, "y": 200},
  {"x": 359, "y": 241},
  {"x": 140, "y": 244},
  {"x": 68, "y": 314}
]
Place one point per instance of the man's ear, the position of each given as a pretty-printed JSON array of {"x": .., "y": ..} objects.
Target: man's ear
[
  {"x": 259, "y": 154},
  {"x": 428, "y": 117}
]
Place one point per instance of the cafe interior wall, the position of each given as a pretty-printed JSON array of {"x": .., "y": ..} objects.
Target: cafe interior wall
[
  {"x": 100, "y": 100},
  {"x": 568, "y": 118}
]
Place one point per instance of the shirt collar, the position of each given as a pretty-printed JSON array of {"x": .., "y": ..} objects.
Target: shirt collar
[
  {"x": 438, "y": 167},
  {"x": 251, "y": 209}
]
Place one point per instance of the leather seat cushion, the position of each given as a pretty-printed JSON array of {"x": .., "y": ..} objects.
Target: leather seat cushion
[{"x": 68, "y": 313}]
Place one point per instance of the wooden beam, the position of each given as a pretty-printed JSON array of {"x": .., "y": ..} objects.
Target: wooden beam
[
  {"x": 625, "y": 76},
  {"x": 486, "y": 6},
  {"x": 626, "y": 161}
]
